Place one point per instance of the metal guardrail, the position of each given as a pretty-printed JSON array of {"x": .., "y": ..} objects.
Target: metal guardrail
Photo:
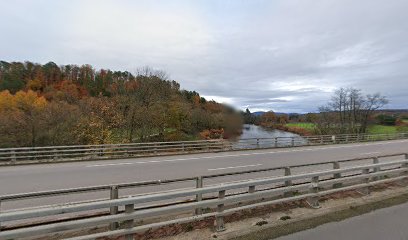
[
  {"x": 255, "y": 143},
  {"x": 112, "y": 151},
  {"x": 106, "y": 151},
  {"x": 308, "y": 185}
]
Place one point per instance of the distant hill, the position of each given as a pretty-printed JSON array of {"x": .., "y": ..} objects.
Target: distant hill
[
  {"x": 385, "y": 111},
  {"x": 395, "y": 111},
  {"x": 260, "y": 113}
]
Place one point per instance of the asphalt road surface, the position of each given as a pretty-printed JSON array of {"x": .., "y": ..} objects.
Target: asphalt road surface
[
  {"x": 387, "y": 223},
  {"x": 40, "y": 177}
]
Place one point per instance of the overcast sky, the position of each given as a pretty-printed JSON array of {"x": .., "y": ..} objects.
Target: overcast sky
[{"x": 281, "y": 55}]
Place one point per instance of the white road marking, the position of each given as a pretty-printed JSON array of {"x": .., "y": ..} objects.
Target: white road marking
[
  {"x": 369, "y": 153},
  {"x": 245, "y": 154},
  {"x": 110, "y": 164},
  {"x": 217, "y": 169}
]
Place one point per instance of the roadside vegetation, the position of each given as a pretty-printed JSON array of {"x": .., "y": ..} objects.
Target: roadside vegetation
[{"x": 63, "y": 105}]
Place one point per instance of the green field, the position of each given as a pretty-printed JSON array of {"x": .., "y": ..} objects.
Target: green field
[
  {"x": 372, "y": 129},
  {"x": 381, "y": 129},
  {"x": 307, "y": 126}
]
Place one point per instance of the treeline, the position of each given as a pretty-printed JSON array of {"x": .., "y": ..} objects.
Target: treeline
[
  {"x": 279, "y": 121},
  {"x": 64, "y": 105},
  {"x": 270, "y": 118},
  {"x": 349, "y": 111},
  {"x": 267, "y": 119}
]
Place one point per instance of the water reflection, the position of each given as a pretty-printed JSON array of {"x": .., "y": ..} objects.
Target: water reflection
[
  {"x": 258, "y": 137},
  {"x": 253, "y": 131}
]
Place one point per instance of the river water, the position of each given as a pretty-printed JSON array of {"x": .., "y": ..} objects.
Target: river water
[
  {"x": 253, "y": 131},
  {"x": 266, "y": 138}
]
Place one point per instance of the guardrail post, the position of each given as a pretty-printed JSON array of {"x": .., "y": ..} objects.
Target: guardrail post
[
  {"x": 257, "y": 143},
  {"x": 365, "y": 190},
  {"x": 129, "y": 223},
  {"x": 251, "y": 189},
  {"x": 102, "y": 151},
  {"x": 334, "y": 139},
  {"x": 308, "y": 142},
  {"x": 314, "y": 188},
  {"x": 114, "y": 194},
  {"x": 199, "y": 197},
  {"x": 227, "y": 145},
  {"x": 183, "y": 147},
  {"x": 224, "y": 145},
  {"x": 276, "y": 142},
  {"x": 321, "y": 140},
  {"x": 155, "y": 149},
  {"x": 93, "y": 155},
  {"x": 376, "y": 169},
  {"x": 288, "y": 183},
  {"x": 336, "y": 165},
  {"x": 403, "y": 182},
  {"x": 293, "y": 141},
  {"x": 13, "y": 157},
  {"x": 219, "y": 220},
  {"x": 126, "y": 153},
  {"x": 55, "y": 155},
  {"x": 0, "y": 212}
]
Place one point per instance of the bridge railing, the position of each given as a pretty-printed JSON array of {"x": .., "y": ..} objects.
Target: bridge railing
[
  {"x": 151, "y": 210},
  {"x": 130, "y": 150},
  {"x": 254, "y": 143},
  {"x": 107, "y": 151}
]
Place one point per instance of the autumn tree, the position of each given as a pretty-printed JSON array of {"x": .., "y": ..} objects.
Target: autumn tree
[
  {"x": 98, "y": 126},
  {"x": 60, "y": 120},
  {"x": 282, "y": 119},
  {"x": 268, "y": 118},
  {"x": 22, "y": 111},
  {"x": 70, "y": 104}
]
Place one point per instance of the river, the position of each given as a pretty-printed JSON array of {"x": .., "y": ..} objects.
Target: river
[
  {"x": 253, "y": 131},
  {"x": 266, "y": 137}
]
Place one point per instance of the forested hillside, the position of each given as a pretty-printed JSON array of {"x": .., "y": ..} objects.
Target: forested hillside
[{"x": 64, "y": 105}]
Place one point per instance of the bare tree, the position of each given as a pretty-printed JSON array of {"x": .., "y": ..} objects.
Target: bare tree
[{"x": 349, "y": 111}]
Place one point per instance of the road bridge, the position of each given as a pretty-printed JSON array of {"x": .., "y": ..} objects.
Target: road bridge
[{"x": 42, "y": 177}]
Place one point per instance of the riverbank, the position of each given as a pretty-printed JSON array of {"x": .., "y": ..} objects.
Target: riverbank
[
  {"x": 254, "y": 131},
  {"x": 307, "y": 129},
  {"x": 292, "y": 128}
]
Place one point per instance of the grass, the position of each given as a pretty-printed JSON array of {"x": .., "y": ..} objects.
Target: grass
[
  {"x": 307, "y": 126},
  {"x": 381, "y": 129},
  {"x": 373, "y": 129}
]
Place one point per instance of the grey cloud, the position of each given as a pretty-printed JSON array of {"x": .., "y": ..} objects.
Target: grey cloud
[{"x": 285, "y": 55}]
